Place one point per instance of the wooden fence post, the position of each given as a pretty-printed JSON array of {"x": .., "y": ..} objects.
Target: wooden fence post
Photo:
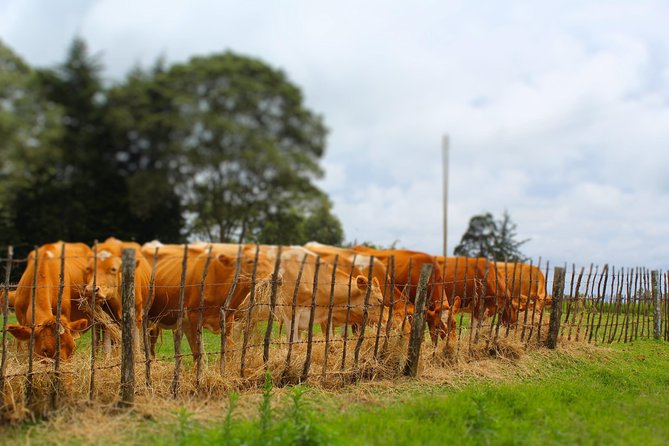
[
  {"x": 5, "y": 312},
  {"x": 556, "y": 307},
  {"x": 91, "y": 383},
  {"x": 31, "y": 345},
  {"x": 655, "y": 282},
  {"x": 365, "y": 316},
  {"x": 145, "y": 320},
  {"x": 59, "y": 307},
  {"x": 179, "y": 328},
  {"x": 128, "y": 329},
  {"x": 199, "y": 342},
  {"x": 418, "y": 322},
  {"x": 310, "y": 328},
  {"x": 272, "y": 309}
]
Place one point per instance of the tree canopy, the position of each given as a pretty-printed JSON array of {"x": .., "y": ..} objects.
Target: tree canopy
[
  {"x": 492, "y": 239},
  {"x": 220, "y": 148}
]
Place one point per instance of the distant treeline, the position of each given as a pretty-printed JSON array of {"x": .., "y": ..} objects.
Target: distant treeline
[{"x": 220, "y": 148}]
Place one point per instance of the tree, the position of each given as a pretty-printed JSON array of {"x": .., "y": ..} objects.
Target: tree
[
  {"x": 30, "y": 127},
  {"x": 249, "y": 149},
  {"x": 490, "y": 238}
]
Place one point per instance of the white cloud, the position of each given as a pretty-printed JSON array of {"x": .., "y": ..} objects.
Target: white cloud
[{"x": 557, "y": 112}]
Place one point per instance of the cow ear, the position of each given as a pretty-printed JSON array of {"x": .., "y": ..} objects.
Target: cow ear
[
  {"x": 375, "y": 282},
  {"x": 456, "y": 305},
  {"x": 226, "y": 261},
  {"x": 20, "y": 332},
  {"x": 78, "y": 326},
  {"x": 361, "y": 283}
]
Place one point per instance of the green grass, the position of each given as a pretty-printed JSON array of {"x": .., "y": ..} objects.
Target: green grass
[{"x": 619, "y": 396}]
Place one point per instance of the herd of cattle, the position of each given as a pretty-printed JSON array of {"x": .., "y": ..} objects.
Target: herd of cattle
[{"x": 220, "y": 281}]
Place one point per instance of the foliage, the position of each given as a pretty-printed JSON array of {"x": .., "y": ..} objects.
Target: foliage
[
  {"x": 492, "y": 239},
  {"x": 221, "y": 147}
]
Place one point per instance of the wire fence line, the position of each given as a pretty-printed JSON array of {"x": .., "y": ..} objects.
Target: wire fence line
[{"x": 377, "y": 330}]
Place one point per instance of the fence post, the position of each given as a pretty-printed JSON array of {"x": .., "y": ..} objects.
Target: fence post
[
  {"x": 418, "y": 322},
  {"x": 145, "y": 320},
  {"x": 310, "y": 329},
  {"x": 59, "y": 307},
  {"x": 556, "y": 307},
  {"x": 5, "y": 311},
  {"x": 272, "y": 309},
  {"x": 128, "y": 329},
  {"x": 94, "y": 341},
  {"x": 199, "y": 342},
  {"x": 31, "y": 345},
  {"x": 178, "y": 332},
  {"x": 655, "y": 282}
]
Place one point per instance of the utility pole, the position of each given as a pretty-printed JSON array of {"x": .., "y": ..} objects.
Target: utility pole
[{"x": 445, "y": 144}]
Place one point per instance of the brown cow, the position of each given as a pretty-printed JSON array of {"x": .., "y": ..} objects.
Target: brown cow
[
  {"x": 408, "y": 266},
  {"x": 291, "y": 260},
  {"x": 218, "y": 281},
  {"x": 527, "y": 281},
  {"x": 477, "y": 282},
  {"x": 72, "y": 320},
  {"x": 345, "y": 262},
  {"x": 108, "y": 279}
]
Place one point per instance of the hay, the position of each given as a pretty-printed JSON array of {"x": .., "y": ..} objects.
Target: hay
[{"x": 102, "y": 319}]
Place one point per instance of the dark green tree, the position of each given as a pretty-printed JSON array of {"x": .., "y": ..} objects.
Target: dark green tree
[
  {"x": 490, "y": 238},
  {"x": 250, "y": 148},
  {"x": 30, "y": 128}
]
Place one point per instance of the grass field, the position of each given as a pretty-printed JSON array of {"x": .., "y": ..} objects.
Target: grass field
[{"x": 579, "y": 395}]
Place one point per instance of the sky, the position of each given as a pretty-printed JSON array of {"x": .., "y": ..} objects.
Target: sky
[{"x": 557, "y": 112}]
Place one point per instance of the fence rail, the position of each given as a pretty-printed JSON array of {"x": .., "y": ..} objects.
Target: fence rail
[{"x": 346, "y": 337}]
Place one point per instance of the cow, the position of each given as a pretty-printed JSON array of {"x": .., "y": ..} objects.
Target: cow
[
  {"x": 345, "y": 284},
  {"x": 108, "y": 279},
  {"x": 73, "y": 321},
  {"x": 357, "y": 263},
  {"x": 480, "y": 286},
  {"x": 525, "y": 281},
  {"x": 408, "y": 266},
  {"x": 222, "y": 263}
]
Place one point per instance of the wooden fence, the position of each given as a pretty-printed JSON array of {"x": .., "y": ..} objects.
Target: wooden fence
[{"x": 596, "y": 304}]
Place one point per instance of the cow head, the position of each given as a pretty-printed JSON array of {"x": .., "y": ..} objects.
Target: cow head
[
  {"x": 45, "y": 336},
  {"x": 358, "y": 294},
  {"x": 107, "y": 276}
]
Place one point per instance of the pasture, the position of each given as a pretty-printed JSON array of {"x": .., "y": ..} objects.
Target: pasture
[
  {"x": 491, "y": 350},
  {"x": 578, "y": 394}
]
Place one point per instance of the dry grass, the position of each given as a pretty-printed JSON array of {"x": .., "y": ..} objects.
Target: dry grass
[{"x": 489, "y": 358}]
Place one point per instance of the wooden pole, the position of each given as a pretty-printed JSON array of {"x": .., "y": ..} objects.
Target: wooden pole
[
  {"x": 601, "y": 297},
  {"x": 556, "y": 307},
  {"x": 387, "y": 296},
  {"x": 391, "y": 263},
  {"x": 91, "y": 384},
  {"x": 59, "y": 307},
  {"x": 348, "y": 314},
  {"x": 655, "y": 280},
  {"x": 128, "y": 329},
  {"x": 310, "y": 329},
  {"x": 445, "y": 149},
  {"x": 198, "y": 329},
  {"x": 145, "y": 320},
  {"x": 365, "y": 316},
  {"x": 328, "y": 326},
  {"x": 179, "y": 329},
  {"x": 272, "y": 308},
  {"x": 249, "y": 313},
  {"x": 5, "y": 315},
  {"x": 31, "y": 346},
  {"x": 224, "y": 310},
  {"x": 418, "y": 323},
  {"x": 293, "y": 315}
]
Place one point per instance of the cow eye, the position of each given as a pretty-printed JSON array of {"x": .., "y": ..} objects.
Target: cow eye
[{"x": 113, "y": 270}]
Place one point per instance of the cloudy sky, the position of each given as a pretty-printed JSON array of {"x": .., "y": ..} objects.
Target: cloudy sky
[{"x": 557, "y": 111}]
